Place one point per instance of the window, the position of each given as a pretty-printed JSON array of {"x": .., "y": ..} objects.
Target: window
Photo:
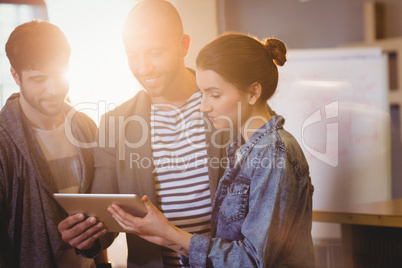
[{"x": 12, "y": 15}]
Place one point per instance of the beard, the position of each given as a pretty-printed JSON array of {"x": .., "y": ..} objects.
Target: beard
[{"x": 50, "y": 105}]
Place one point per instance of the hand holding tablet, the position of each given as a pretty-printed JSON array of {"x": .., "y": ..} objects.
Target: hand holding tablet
[{"x": 96, "y": 205}]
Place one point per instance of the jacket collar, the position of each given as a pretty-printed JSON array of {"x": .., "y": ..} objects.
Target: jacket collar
[{"x": 275, "y": 123}]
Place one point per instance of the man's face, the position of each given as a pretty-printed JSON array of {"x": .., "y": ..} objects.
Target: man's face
[
  {"x": 155, "y": 58},
  {"x": 43, "y": 91}
]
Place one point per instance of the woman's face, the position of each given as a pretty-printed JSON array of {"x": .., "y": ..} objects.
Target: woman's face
[{"x": 225, "y": 105}]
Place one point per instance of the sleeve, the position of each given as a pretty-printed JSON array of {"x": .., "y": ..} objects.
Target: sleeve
[
  {"x": 2, "y": 189},
  {"x": 100, "y": 244},
  {"x": 273, "y": 204},
  {"x": 2, "y": 205},
  {"x": 5, "y": 206},
  {"x": 3, "y": 170},
  {"x": 92, "y": 252}
]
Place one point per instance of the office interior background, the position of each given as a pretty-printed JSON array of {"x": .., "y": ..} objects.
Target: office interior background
[{"x": 100, "y": 78}]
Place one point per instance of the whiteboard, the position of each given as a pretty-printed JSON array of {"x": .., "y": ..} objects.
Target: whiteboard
[{"x": 335, "y": 102}]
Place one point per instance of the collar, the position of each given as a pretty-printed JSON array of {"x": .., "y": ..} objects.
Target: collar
[{"x": 272, "y": 125}]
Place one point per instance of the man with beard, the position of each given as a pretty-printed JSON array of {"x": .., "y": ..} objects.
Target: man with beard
[
  {"x": 158, "y": 143},
  {"x": 37, "y": 157}
]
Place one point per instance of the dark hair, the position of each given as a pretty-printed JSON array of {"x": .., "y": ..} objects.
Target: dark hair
[
  {"x": 33, "y": 44},
  {"x": 243, "y": 60}
]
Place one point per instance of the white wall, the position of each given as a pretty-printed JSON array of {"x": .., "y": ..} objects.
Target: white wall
[{"x": 200, "y": 22}]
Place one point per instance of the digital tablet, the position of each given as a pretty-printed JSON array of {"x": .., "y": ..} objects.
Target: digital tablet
[{"x": 96, "y": 205}]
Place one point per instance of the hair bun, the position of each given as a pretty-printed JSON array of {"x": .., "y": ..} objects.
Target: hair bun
[{"x": 277, "y": 50}]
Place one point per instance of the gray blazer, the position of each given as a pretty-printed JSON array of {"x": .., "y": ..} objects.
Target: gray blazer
[{"x": 123, "y": 164}]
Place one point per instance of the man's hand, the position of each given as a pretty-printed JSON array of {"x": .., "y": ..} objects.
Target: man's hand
[{"x": 79, "y": 232}]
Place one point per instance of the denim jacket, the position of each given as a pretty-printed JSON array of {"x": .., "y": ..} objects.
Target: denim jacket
[{"x": 262, "y": 213}]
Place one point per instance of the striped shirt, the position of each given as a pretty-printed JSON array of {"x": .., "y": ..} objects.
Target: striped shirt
[{"x": 181, "y": 170}]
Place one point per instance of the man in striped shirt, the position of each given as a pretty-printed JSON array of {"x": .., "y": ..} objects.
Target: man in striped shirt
[{"x": 158, "y": 143}]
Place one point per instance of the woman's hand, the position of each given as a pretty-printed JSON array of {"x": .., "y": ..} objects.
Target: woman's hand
[{"x": 154, "y": 227}]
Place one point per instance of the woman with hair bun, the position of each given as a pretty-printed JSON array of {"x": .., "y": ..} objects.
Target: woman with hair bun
[{"x": 262, "y": 211}]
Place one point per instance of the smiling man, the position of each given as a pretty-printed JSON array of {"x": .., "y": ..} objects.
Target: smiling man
[
  {"x": 37, "y": 158},
  {"x": 164, "y": 148}
]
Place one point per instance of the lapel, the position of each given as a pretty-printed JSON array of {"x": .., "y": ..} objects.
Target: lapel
[
  {"x": 24, "y": 139},
  {"x": 83, "y": 130},
  {"x": 37, "y": 160},
  {"x": 137, "y": 164}
]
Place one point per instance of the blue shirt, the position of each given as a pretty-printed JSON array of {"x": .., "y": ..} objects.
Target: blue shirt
[{"x": 262, "y": 213}]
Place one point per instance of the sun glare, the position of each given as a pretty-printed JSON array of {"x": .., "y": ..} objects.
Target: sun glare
[{"x": 99, "y": 74}]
